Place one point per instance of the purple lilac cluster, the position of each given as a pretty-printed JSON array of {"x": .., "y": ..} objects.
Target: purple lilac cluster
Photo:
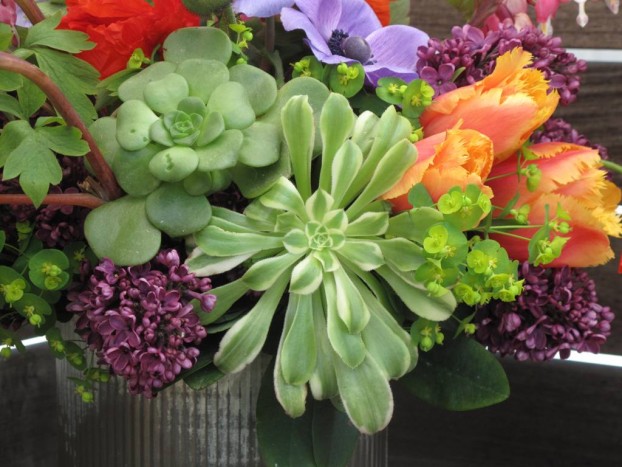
[
  {"x": 558, "y": 311},
  {"x": 140, "y": 321},
  {"x": 475, "y": 51},
  {"x": 558, "y": 129}
]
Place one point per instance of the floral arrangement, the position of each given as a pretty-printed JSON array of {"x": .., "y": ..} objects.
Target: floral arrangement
[{"x": 194, "y": 183}]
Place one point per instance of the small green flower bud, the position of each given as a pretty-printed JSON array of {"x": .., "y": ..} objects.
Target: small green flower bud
[{"x": 5, "y": 352}]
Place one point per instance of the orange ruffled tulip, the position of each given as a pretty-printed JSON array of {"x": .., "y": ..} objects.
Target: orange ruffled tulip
[
  {"x": 448, "y": 159},
  {"x": 571, "y": 176},
  {"x": 507, "y": 105},
  {"x": 382, "y": 8}
]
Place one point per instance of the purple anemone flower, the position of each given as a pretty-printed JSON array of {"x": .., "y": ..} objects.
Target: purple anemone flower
[
  {"x": 349, "y": 31},
  {"x": 261, "y": 9}
]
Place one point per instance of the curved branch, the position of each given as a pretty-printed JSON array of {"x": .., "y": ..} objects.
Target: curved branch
[
  {"x": 64, "y": 108},
  {"x": 31, "y": 10},
  {"x": 65, "y": 199}
]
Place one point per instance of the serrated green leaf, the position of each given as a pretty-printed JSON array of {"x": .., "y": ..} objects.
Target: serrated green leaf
[
  {"x": 10, "y": 105},
  {"x": 36, "y": 166},
  {"x": 30, "y": 98},
  {"x": 63, "y": 140},
  {"x": 44, "y": 33},
  {"x": 75, "y": 77},
  {"x": 459, "y": 375}
]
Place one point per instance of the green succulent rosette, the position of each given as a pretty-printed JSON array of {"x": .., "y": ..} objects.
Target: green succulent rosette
[
  {"x": 324, "y": 250},
  {"x": 187, "y": 127}
]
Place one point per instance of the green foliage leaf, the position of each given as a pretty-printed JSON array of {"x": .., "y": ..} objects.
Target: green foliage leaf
[
  {"x": 30, "y": 98},
  {"x": 10, "y": 105},
  {"x": 2, "y": 239},
  {"x": 64, "y": 140},
  {"x": 459, "y": 375},
  {"x": 45, "y": 34},
  {"x": 334, "y": 436},
  {"x": 203, "y": 377},
  {"x": 75, "y": 77},
  {"x": 6, "y": 36}
]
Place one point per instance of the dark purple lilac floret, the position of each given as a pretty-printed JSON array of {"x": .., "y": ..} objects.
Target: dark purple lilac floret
[
  {"x": 476, "y": 52},
  {"x": 557, "y": 312},
  {"x": 140, "y": 321}
]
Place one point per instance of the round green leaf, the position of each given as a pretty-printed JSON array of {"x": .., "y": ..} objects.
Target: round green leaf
[
  {"x": 260, "y": 86},
  {"x": 204, "y": 42}
]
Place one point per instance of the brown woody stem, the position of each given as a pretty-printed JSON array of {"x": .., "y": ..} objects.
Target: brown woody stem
[
  {"x": 65, "y": 199},
  {"x": 31, "y": 10},
  {"x": 65, "y": 109}
]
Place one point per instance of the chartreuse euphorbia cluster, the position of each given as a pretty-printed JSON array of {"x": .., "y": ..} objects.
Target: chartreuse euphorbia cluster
[
  {"x": 331, "y": 245},
  {"x": 187, "y": 126}
]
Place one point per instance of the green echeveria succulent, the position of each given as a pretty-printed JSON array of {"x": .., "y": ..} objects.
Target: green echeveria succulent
[
  {"x": 187, "y": 127},
  {"x": 328, "y": 250}
]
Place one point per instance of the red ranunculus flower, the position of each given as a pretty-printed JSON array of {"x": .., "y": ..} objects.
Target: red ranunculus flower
[{"x": 119, "y": 27}]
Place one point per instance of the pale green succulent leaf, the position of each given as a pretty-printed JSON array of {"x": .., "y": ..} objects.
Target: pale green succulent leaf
[
  {"x": 365, "y": 254},
  {"x": 336, "y": 220},
  {"x": 257, "y": 212},
  {"x": 423, "y": 219},
  {"x": 299, "y": 133},
  {"x": 336, "y": 124},
  {"x": 299, "y": 350},
  {"x": 365, "y": 130},
  {"x": 348, "y": 347},
  {"x": 236, "y": 222},
  {"x": 262, "y": 274},
  {"x": 323, "y": 382},
  {"x": 389, "y": 170},
  {"x": 366, "y": 395},
  {"x": 243, "y": 342},
  {"x": 387, "y": 348},
  {"x": 416, "y": 298},
  {"x": 328, "y": 259},
  {"x": 296, "y": 242},
  {"x": 318, "y": 205},
  {"x": 226, "y": 296},
  {"x": 368, "y": 224},
  {"x": 206, "y": 265},
  {"x": 401, "y": 253},
  {"x": 284, "y": 196},
  {"x": 345, "y": 165},
  {"x": 288, "y": 221},
  {"x": 218, "y": 242},
  {"x": 307, "y": 276},
  {"x": 351, "y": 307}
]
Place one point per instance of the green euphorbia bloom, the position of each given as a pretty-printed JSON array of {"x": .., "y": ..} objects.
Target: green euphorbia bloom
[{"x": 326, "y": 248}]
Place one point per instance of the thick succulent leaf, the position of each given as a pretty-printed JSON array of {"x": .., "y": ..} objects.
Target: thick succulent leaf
[
  {"x": 206, "y": 265},
  {"x": 348, "y": 347},
  {"x": 299, "y": 351},
  {"x": 299, "y": 133},
  {"x": 328, "y": 259},
  {"x": 132, "y": 88},
  {"x": 401, "y": 253},
  {"x": 226, "y": 296},
  {"x": 323, "y": 382},
  {"x": 218, "y": 242},
  {"x": 260, "y": 86},
  {"x": 389, "y": 170},
  {"x": 306, "y": 276},
  {"x": 287, "y": 222},
  {"x": 253, "y": 182},
  {"x": 345, "y": 165},
  {"x": 416, "y": 298},
  {"x": 236, "y": 222},
  {"x": 387, "y": 348},
  {"x": 350, "y": 305},
  {"x": 262, "y": 274},
  {"x": 261, "y": 146},
  {"x": 205, "y": 43},
  {"x": 365, "y": 254},
  {"x": 296, "y": 242},
  {"x": 365, "y": 130},
  {"x": 366, "y": 395},
  {"x": 257, "y": 212},
  {"x": 243, "y": 342},
  {"x": 423, "y": 219},
  {"x": 203, "y": 76},
  {"x": 318, "y": 205},
  {"x": 284, "y": 195},
  {"x": 336, "y": 123},
  {"x": 368, "y": 224}
]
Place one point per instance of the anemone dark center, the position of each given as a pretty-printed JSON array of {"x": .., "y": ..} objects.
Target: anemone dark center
[{"x": 354, "y": 47}]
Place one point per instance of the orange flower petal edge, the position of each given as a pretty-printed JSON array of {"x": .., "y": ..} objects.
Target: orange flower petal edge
[{"x": 382, "y": 8}]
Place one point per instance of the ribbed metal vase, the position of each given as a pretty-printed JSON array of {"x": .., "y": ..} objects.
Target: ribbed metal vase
[{"x": 179, "y": 428}]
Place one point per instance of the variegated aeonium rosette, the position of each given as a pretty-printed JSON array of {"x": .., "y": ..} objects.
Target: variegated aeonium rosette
[{"x": 336, "y": 254}]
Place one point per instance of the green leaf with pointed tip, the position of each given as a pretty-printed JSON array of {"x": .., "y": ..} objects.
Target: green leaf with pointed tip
[
  {"x": 306, "y": 276},
  {"x": 366, "y": 395},
  {"x": 459, "y": 375},
  {"x": 218, "y": 242},
  {"x": 30, "y": 98},
  {"x": 287, "y": 222},
  {"x": 200, "y": 42},
  {"x": 262, "y": 274},
  {"x": 284, "y": 195},
  {"x": 365, "y": 254},
  {"x": 336, "y": 123},
  {"x": 345, "y": 165},
  {"x": 401, "y": 253},
  {"x": 243, "y": 342},
  {"x": 365, "y": 129},
  {"x": 10, "y": 105},
  {"x": 299, "y": 133},
  {"x": 282, "y": 440},
  {"x": 319, "y": 205},
  {"x": 368, "y": 224},
  {"x": 45, "y": 34},
  {"x": 328, "y": 259},
  {"x": 416, "y": 298},
  {"x": 65, "y": 140},
  {"x": 298, "y": 353},
  {"x": 348, "y": 347},
  {"x": 120, "y": 230},
  {"x": 388, "y": 172},
  {"x": 205, "y": 265},
  {"x": 350, "y": 305}
]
